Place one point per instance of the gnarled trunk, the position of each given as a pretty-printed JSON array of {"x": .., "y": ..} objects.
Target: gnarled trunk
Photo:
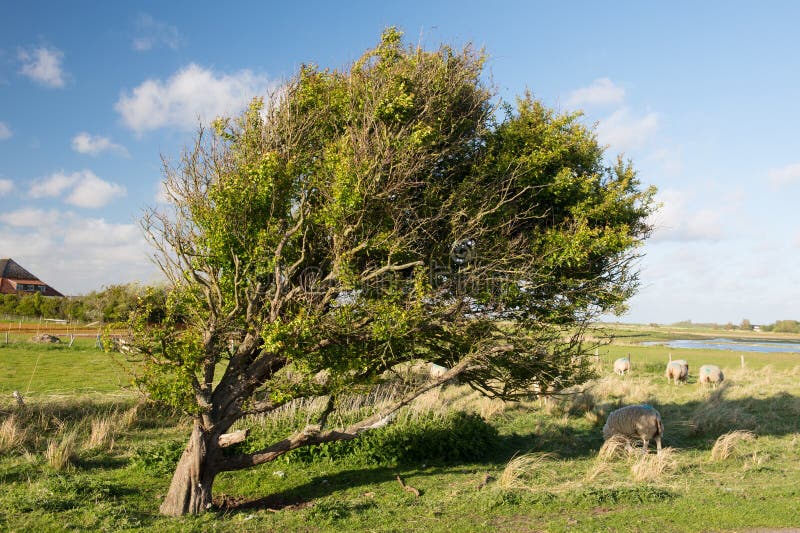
[{"x": 190, "y": 489}]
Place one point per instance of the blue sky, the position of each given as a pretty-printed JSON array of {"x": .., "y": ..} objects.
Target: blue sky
[{"x": 703, "y": 97}]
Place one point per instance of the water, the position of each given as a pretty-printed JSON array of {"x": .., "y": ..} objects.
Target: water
[{"x": 735, "y": 345}]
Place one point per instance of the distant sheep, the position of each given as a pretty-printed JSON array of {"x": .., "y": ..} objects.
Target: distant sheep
[
  {"x": 437, "y": 371},
  {"x": 710, "y": 374},
  {"x": 622, "y": 365},
  {"x": 677, "y": 371},
  {"x": 635, "y": 421}
]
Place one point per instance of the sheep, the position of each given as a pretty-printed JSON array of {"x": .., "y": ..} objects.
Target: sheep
[
  {"x": 642, "y": 421},
  {"x": 710, "y": 374},
  {"x": 437, "y": 371},
  {"x": 622, "y": 365},
  {"x": 677, "y": 370}
]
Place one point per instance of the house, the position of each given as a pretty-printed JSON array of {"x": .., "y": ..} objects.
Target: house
[{"x": 16, "y": 280}]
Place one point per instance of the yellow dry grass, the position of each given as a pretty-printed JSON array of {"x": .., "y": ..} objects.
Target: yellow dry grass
[
  {"x": 727, "y": 444},
  {"x": 653, "y": 467},
  {"x": 60, "y": 453},
  {"x": 12, "y": 434},
  {"x": 522, "y": 471},
  {"x": 102, "y": 433}
]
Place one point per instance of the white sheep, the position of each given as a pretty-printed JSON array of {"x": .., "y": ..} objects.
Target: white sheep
[
  {"x": 710, "y": 374},
  {"x": 635, "y": 421},
  {"x": 622, "y": 365},
  {"x": 677, "y": 370}
]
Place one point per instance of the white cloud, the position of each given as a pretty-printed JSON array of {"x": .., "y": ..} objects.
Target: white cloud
[
  {"x": 82, "y": 189},
  {"x": 623, "y": 131},
  {"x": 6, "y": 186},
  {"x": 151, "y": 33},
  {"x": 91, "y": 191},
  {"x": 54, "y": 185},
  {"x": 602, "y": 91},
  {"x": 95, "y": 144},
  {"x": 191, "y": 94},
  {"x": 682, "y": 218},
  {"x": 43, "y": 65},
  {"x": 29, "y": 217},
  {"x": 5, "y": 131},
  {"x": 75, "y": 254},
  {"x": 786, "y": 175}
]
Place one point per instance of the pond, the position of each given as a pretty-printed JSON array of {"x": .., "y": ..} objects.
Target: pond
[{"x": 736, "y": 345}]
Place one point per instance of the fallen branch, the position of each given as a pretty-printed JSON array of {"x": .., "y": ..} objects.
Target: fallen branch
[{"x": 408, "y": 488}]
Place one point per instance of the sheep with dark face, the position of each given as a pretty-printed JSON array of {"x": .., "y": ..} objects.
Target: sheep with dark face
[
  {"x": 622, "y": 365},
  {"x": 635, "y": 421},
  {"x": 710, "y": 374},
  {"x": 677, "y": 370}
]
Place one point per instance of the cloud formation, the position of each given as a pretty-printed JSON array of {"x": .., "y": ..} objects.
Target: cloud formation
[
  {"x": 76, "y": 254},
  {"x": 6, "y": 186},
  {"x": 82, "y": 189},
  {"x": 786, "y": 175},
  {"x": 602, "y": 91},
  {"x": 190, "y": 95},
  {"x": 43, "y": 66},
  {"x": 151, "y": 33},
  {"x": 690, "y": 216},
  {"x": 5, "y": 131},
  {"x": 85, "y": 143},
  {"x": 624, "y": 131}
]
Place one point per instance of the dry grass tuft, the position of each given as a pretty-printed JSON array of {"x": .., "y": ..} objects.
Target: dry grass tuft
[
  {"x": 60, "y": 454},
  {"x": 129, "y": 418},
  {"x": 651, "y": 467},
  {"x": 726, "y": 444},
  {"x": 522, "y": 470},
  {"x": 616, "y": 446},
  {"x": 12, "y": 434},
  {"x": 102, "y": 433}
]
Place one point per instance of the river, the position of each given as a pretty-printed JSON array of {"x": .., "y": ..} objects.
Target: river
[{"x": 735, "y": 345}]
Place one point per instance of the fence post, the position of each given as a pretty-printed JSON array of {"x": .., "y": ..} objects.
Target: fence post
[{"x": 742, "y": 356}]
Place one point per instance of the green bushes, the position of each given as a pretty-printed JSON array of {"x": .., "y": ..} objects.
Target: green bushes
[{"x": 426, "y": 438}]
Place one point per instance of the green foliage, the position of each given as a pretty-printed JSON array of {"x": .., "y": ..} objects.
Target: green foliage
[
  {"x": 158, "y": 459},
  {"x": 429, "y": 439},
  {"x": 786, "y": 326},
  {"x": 622, "y": 495}
]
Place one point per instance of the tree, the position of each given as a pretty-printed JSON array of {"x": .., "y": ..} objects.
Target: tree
[{"x": 363, "y": 219}]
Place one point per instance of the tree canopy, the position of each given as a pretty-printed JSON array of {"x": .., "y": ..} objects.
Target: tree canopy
[{"x": 360, "y": 219}]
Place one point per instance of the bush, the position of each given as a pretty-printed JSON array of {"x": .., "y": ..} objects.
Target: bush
[{"x": 457, "y": 437}]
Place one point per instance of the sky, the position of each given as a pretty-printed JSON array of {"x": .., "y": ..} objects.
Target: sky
[{"x": 703, "y": 97}]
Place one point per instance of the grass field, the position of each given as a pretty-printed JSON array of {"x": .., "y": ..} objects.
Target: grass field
[{"x": 84, "y": 454}]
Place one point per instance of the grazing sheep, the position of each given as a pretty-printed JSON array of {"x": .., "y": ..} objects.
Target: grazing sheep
[
  {"x": 641, "y": 421},
  {"x": 711, "y": 374},
  {"x": 677, "y": 371},
  {"x": 622, "y": 365},
  {"x": 437, "y": 371}
]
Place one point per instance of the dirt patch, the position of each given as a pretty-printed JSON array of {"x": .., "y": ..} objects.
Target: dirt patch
[{"x": 267, "y": 503}]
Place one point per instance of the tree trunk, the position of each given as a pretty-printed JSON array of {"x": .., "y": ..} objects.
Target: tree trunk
[{"x": 190, "y": 489}]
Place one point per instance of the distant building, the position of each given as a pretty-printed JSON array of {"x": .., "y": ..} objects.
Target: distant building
[{"x": 16, "y": 280}]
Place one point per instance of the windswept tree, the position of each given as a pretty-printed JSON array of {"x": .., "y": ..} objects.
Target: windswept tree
[{"x": 363, "y": 219}]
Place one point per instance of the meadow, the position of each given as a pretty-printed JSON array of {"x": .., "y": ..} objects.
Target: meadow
[{"x": 86, "y": 453}]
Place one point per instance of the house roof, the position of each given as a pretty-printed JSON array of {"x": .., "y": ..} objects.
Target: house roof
[
  {"x": 12, "y": 270},
  {"x": 12, "y": 274}
]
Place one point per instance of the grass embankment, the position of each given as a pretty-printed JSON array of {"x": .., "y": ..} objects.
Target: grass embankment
[{"x": 101, "y": 462}]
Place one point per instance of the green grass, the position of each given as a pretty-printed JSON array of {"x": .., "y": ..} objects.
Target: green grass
[
  {"x": 54, "y": 369},
  {"x": 117, "y": 483}
]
